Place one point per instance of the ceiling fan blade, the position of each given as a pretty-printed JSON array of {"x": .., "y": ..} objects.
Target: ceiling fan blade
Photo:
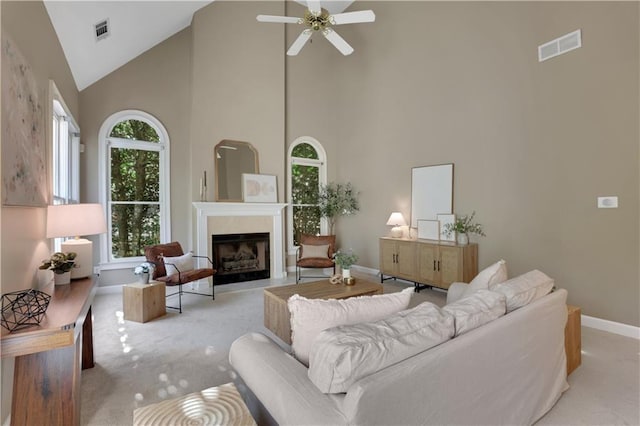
[
  {"x": 335, "y": 39},
  {"x": 353, "y": 17},
  {"x": 279, "y": 19},
  {"x": 314, "y": 6},
  {"x": 299, "y": 43}
]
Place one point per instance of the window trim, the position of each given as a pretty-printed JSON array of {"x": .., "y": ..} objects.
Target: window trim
[
  {"x": 106, "y": 260},
  {"x": 321, "y": 163}
]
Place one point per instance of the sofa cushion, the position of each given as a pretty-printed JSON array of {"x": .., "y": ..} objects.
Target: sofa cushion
[
  {"x": 525, "y": 288},
  {"x": 310, "y": 316},
  {"x": 487, "y": 278},
  {"x": 343, "y": 355},
  {"x": 473, "y": 311},
  {"x": 321, "y": 251},
  {"x": 183, "y": 263}
]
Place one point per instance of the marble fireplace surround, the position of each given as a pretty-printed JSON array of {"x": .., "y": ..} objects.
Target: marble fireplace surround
[{"x": 236, "y": 218}]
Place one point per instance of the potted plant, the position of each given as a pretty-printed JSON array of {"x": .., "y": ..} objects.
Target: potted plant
[
  {"x": 463, "y": 226},
  {"x": 142, "y": 271},
  {"x": 345, "y": 260},
  {"x": 336, "y": 199},
  {"x": 61, "y": 265}
]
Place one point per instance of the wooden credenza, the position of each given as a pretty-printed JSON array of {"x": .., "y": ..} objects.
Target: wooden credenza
[
  {"x": 50, "y": 356},
  {"x": 427, "y": 262}
]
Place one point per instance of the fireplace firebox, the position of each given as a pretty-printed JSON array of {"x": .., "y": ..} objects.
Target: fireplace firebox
[{"x": 240, "y": 257}]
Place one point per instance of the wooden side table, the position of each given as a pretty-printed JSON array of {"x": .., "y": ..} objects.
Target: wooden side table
[
  {"x": 573, "y": 338},
  {"x": 144, "y": 302}
]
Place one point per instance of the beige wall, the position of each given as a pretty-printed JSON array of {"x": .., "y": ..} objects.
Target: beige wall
[
  {"x": 533, "y": 143},
  {"x": 23, "y": 243},
  {"x": 157, "y": 82}
]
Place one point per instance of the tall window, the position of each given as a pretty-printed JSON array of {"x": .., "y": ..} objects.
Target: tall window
[
  {"x": 135, "y": 190},
  {"x": 65, "y": 150},
  {"x": 307, "y": 172}
]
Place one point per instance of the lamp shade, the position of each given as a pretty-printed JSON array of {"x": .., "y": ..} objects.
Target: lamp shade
[
  {"x": 72, "y": 220},
  {"x": 396, "y": 219}
]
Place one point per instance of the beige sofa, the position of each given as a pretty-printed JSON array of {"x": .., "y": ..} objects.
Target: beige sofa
[{"x": 509, "y": 371}]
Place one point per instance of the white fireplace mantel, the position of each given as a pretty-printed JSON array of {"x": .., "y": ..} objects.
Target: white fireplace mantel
[{"x": 274, "y": 210}]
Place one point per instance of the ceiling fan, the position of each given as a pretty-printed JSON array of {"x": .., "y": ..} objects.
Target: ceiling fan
[{"x": 317, "y": 19}]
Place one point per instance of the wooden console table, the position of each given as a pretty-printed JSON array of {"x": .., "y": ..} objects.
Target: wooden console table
[{"x": 49, "y": 357}]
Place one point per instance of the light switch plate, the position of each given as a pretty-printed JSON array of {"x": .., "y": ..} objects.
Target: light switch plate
[{"x": 607, "y": 202}]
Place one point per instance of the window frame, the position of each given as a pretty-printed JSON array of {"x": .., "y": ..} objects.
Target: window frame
[
  {"x": 321, "y": 164},
  {"x": 106, "y": 142},
  {"x": 64, "y": 145}
]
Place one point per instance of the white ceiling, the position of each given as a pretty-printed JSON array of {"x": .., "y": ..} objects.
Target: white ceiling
[{"x": 135, "y": 27}]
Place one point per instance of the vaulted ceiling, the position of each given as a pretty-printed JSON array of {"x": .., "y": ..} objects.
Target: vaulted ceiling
[{"x": 134, "y": 27}]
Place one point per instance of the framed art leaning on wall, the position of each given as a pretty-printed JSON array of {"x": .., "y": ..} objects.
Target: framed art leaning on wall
[{"x": 259, "y": 188}]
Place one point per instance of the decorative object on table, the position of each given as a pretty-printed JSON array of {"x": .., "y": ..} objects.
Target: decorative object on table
[
  {"x": 345, "y": 260},
  {"x": 61, "y": 264},
  {"x": 428, "y": 229},
  {"x": 24, "y": 149},
  {"x": 397, "y": 221},
  {"x": 142, "y": 271},
  {"x": 203, "y": 187},
  {"x": 337, "y": 199},
  {"x": 259, "y": 188},
  {"x": 463, "y": 226},
  {"x": 74, "y": 220},
  {"x": 23, "y": 308},
  {"x": 319, "y": 20},
  {"x": 445, "y": 219},
  {"x": 336, "y": 279}
]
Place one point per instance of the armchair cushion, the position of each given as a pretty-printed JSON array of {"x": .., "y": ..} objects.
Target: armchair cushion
[
  {"x": 154, "y": 254},
  {"x": 309, "y": 251},
  {"x": 318, "y": 240},
  {"x": 176, "y": 264}
]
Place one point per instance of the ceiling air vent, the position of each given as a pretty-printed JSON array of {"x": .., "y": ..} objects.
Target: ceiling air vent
[
  {"x": 102, "y": 30},
  {"x": 560, "y": 45}
]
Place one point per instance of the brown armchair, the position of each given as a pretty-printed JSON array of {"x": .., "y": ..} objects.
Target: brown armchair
[
  {"x": 183, "y": 275},
  {"x": 315, "y": 251}
]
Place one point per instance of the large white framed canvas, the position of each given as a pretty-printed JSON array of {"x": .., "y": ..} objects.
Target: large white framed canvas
[
  {"x": 24, "y": 152},
  {"x": 428, "y": 229},
  {"x": 431, "y": 192},
  {"x": 259, "y": 188},
  {"x": 445, "y": 219}
]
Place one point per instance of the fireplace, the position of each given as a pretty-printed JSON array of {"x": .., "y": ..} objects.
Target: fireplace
[{"x": 240, "y": 257}]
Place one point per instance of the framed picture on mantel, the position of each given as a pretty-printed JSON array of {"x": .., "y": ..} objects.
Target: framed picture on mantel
[{"x": 259, "y": 188}]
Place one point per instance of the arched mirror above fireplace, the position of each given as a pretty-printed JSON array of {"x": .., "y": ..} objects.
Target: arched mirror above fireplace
[{"x": 232, "y": 159}]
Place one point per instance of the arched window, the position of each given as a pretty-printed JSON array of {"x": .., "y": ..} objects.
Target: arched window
[
  {"x": 307, "y": 167},
  {"x": 134, "y": 185}
]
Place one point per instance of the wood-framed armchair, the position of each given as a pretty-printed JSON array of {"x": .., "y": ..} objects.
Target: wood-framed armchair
[
  {"x": 315, "y": 251},
  {"x": 178, "y": 270}
]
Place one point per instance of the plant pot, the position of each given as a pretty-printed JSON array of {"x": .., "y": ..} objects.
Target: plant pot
[
  {"x": 346, "y": 273},
  {"x": 62, "y": 279},
  {"x": 463, "y": 239},
  {"x": 143, "y": 278}
]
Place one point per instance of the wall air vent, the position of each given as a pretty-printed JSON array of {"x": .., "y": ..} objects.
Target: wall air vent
[
  {"x": 564, "y": 44},
  {"x": 102, "y": 30}
]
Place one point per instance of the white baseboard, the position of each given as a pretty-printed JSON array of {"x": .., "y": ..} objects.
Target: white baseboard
[{"x": 611, "y": 326}]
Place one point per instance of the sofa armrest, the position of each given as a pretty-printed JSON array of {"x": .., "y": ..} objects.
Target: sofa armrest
[
  {"x": 455, "y": 291},
  {"x": 281, "y": 383}
]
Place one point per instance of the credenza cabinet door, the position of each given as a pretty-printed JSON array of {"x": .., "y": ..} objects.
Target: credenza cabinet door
[
  {"x": 398, "y": 258},
  {"x": 387, "y": 257},
  {"x": 450, "y": 265},
  {"x": 427, "y": 263}
]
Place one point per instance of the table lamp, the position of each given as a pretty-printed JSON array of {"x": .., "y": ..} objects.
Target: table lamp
[
  {"x": 397, "y": 221},
  {"x": 75, "y": 220}
]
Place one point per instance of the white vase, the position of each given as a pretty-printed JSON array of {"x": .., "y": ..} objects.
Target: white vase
[
  {"x": 346, "y": 273},
  {"x": 62, "y": 279},
  {"x": 463, "y": 239},
  {"x": 143, "y": 278}
]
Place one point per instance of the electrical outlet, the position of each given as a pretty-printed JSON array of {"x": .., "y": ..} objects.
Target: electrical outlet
[{"x": 608, "y": 202}]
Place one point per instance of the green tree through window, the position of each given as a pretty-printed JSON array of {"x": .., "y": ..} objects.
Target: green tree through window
[
  {"x": 305, "y": 184},
  {"x": 134, "y": 189}
]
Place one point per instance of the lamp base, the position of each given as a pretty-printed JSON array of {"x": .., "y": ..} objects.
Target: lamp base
[
  {"x": 83, "y": 249},
  {"x": 396, "y": 232}
]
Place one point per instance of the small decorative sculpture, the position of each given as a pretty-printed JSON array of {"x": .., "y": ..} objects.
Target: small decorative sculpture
[
  {"x": 23, "y": 308},
  {"x": 336, "y": 279}
]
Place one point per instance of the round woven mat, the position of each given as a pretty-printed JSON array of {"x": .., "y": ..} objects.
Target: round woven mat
[{"x": 221, "y": 405}]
